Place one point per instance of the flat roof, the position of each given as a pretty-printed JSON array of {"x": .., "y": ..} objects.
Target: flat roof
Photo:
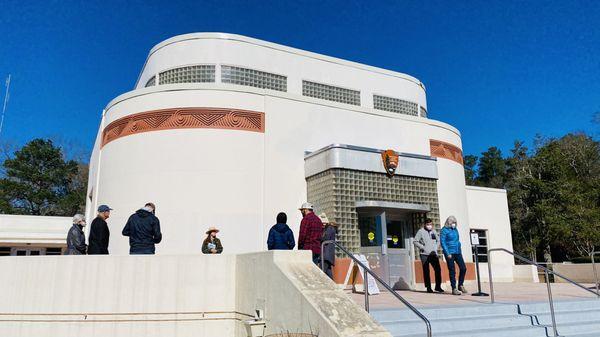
[{"x": 279, "y": 47}]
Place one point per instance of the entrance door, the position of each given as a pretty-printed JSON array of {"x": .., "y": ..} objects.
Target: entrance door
[
  {"x": 385, "y": 241},
  {"x": 399, "y": 235}
]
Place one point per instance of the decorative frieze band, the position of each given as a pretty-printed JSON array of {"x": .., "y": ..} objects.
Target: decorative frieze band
[
  {"x": 445, "y": 150},
  {"x": 184, "y": 118}
]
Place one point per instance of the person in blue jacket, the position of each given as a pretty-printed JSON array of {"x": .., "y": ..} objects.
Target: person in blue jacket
[
  {"x": 451, "y": 247},
  {"x": 280, "y": 235}
]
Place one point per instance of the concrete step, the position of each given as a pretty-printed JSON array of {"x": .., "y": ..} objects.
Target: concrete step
[
  {"x": 439, "y": 326},
  {"x": 577, "y": 328},
  {"x": 579, "y": 318},
  {"x": 478, "y": 331},
  {"x": 560, "y": 306},
  {"x": 387, "y": 315},
  {"x": 571, "y": 316}
]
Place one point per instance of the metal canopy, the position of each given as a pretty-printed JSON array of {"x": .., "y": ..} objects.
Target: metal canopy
[{"x": 399, "y": 206}]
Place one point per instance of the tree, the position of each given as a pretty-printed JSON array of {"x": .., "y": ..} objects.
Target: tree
[
  {"x": 581, "y": 187},
  {"x": 525, "y": 240},
  {"x": 470, "y": 171},
  {"x": 39, "y": 181},
  {"x": 492, "y": 168}
]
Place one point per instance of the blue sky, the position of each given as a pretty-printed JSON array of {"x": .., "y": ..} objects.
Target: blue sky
[{"x": 497, "y": 70}]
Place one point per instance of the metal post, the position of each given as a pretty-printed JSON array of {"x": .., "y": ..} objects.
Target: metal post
[
  {"x": 366, "y": 285},
  {"x": 551, "y": 303},
  {"x": 322, "y": 259},
  {"x": 595, "y": 273},
  {"x": 489, "y": 263},
  {"x": 479, "y": 292}
]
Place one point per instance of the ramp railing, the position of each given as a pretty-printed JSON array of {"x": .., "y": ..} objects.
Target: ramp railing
[
  {"x": 547, "y": 273},
  {"x": 367, "y": 272}
]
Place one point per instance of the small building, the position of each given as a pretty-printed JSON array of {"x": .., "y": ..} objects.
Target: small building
[
  {"x": 25, "y": 235},
  {"x": 226, "y": 130}
]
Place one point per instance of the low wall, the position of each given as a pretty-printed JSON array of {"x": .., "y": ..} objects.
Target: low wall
[
  {"x": 117, "y": 296},
  {"x": 297, "y": 297},
  {"x": 526, "y": 273},
  {"x": 175, "y": 296},
  {"x": 580, "y": 272}
]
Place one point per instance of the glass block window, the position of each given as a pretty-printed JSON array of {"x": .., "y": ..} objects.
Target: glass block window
[
  {"x": 395, "y": 105},
  {"x": 253, "y": 78},
  {"x": 330, "y": 93},
  {"x": 336, "y": 192},
  {"x": 191, "y": 74},
  {"x": 423, "y": 112},
  {"x": 151, "y": 81}
]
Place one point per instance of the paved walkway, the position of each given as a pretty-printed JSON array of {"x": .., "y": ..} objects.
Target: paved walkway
[{"x": 504, "y": 293}]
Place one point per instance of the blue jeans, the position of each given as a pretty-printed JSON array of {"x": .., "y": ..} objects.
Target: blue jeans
[{"x": 458, "y": 258}]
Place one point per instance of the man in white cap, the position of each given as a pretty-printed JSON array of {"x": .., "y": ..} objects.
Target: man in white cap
[{"x": 311, "y": 230}]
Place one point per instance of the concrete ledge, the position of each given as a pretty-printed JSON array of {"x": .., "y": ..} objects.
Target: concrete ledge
[
  {"x": 162, "y": 295},
  {"x": 580, "y": 272}
]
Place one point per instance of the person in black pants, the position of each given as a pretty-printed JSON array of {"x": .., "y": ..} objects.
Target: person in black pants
[
  {"x": 428, "y": 242},
  {"x": 99, "y": 233}
]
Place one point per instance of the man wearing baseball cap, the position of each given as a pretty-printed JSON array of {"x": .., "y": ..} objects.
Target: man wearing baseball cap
[
  {"x": 99, "y": 233},
  {"x": 311, "y": 230}
]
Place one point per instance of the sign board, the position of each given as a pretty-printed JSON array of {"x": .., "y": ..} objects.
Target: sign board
[
  {"x": 373, "y": 288},
  {"x": 474, "y": 239}
]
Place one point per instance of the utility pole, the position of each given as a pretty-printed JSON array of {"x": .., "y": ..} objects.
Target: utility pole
[{"x": 6, "y": 96}]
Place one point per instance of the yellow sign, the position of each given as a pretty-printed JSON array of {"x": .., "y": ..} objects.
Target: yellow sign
[
  {"x": 371, "y": 236},
  {"x": 395, "y": 239}
]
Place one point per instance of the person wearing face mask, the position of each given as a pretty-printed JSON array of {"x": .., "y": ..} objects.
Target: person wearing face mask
[
  {"x": 451, "y": 247},
  {"x": 75, "y": 238},
  {"x": 428, "y": 242}
]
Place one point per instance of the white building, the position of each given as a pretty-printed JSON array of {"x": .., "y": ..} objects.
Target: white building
[{"x": 225, "y": 130}]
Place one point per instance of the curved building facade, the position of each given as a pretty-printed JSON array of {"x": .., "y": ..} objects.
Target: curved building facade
[{"x": 225, "y": 130}]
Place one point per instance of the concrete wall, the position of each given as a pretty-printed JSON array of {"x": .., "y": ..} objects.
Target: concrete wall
[
  {"x": 488, "y": 210},
  {"x": 240, "y": 180},
  {"x": 525, "y": 273},
  {"x": 194, "y": 295},
  {"x": 578, "y": 272},
  {"x": 34, "y": 230}
]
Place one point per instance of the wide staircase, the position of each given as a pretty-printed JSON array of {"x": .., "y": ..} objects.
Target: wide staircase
[{"x": 573, "y": 319}]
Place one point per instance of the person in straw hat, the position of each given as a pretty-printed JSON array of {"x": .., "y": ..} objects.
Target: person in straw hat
[
  {"x": 328, "y": 254},
  {"x": 212, "y": 244}
]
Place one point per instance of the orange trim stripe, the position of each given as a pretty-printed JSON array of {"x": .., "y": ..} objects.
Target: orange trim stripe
[
  {"x": 184, "y": 118},
  {"x": 445, "y": 150}
]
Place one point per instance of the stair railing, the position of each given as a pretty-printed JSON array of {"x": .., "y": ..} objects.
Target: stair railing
[
  {"x": 368, "y": 271},
  {"x": 597, "y": 284},
  {"x": 547, "y": 273}
]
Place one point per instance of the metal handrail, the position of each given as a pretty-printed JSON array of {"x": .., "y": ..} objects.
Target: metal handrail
[
  {"x": 592, "y": 254},
  {"x": 547, "y": 272},
  {"x": 385, "y": 285}
]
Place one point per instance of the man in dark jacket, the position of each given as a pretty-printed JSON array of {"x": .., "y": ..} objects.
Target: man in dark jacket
[
  {"x": 99, "y": 233},
  {"x": 280, "y": 235},
  {"x": 311, "y": 230},
  {"x": 143, "y": 229}
]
